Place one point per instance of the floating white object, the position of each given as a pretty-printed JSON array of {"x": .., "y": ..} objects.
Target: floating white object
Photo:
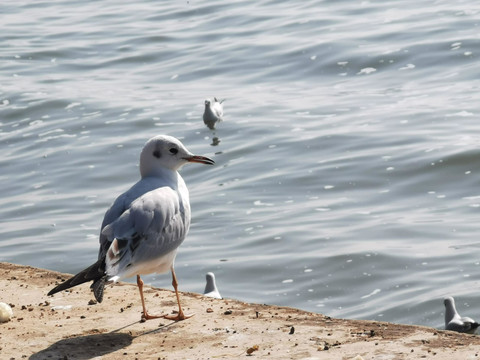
[{"x": 6, "y": 312}]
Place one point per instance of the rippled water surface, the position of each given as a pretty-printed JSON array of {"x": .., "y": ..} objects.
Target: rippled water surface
[{"x": 347, "y": 168}]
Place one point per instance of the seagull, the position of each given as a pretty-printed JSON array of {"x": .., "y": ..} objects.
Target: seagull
[
  {"x": 142, "y": 230},
  {"x": 454, "y": 322},
  {"x": 213, "y": 112},
  {"x": 211, "y": 288}
]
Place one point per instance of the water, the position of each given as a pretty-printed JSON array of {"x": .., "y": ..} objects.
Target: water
[{"x": 347, "y": 166}]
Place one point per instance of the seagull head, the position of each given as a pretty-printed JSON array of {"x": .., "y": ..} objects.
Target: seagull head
[
  {"x": 448, "y": 301},
  {"x": 210, "y": 281},
  {"x": 166, "y": 152}
]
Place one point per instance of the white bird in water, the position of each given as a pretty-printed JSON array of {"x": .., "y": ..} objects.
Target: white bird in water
[
  {"x": 142, "y": 230},
  {"x": 211, "y": 287},
  {"x": 213, "y": 112},
  {"x": 454, "y": 322}
]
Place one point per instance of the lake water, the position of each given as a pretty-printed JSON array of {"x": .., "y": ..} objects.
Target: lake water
[{"x": 347, "y": 168}]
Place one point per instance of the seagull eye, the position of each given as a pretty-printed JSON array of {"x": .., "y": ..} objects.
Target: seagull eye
[{"x": 173, "y": 151}]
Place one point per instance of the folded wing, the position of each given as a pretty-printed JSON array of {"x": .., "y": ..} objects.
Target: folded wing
[{"x": 154, "y": 225}]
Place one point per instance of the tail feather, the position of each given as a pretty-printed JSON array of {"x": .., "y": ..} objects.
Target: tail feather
[
  {"x": 95, "y": 272},
  {"x": 97, "y": 288}
]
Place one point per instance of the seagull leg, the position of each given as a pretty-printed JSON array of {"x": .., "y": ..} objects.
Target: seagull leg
[
  {"x": 180, "y": 315},
  {"x": 145, "y": 314}
]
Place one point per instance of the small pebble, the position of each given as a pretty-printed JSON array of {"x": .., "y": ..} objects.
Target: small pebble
[{"x": 6, "y": 312}]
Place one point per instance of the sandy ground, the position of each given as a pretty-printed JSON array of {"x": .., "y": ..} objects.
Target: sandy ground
[{"x": 70, "y": 326}]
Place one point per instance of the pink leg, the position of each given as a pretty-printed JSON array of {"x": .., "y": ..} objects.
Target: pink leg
[
  {"x": 180, "y": 315},
  {"x": 145, "y": 315}
]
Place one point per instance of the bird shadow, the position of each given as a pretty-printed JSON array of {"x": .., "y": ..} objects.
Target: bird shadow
[{"x": 85, "y": 347}]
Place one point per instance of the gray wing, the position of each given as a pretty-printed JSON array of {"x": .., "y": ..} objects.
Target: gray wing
[
  {"x": 112, "y": 214},
  {"x": 154, "y": 225},
  {"x": 119, "y": 206},
  {"x": 463, "y": 325}
]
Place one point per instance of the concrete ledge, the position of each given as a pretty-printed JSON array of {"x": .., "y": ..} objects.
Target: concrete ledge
[{"x": 65, "y": 326}]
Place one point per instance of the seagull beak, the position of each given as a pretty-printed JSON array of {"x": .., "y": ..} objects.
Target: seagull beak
[{"x": 200, "y": 159}]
